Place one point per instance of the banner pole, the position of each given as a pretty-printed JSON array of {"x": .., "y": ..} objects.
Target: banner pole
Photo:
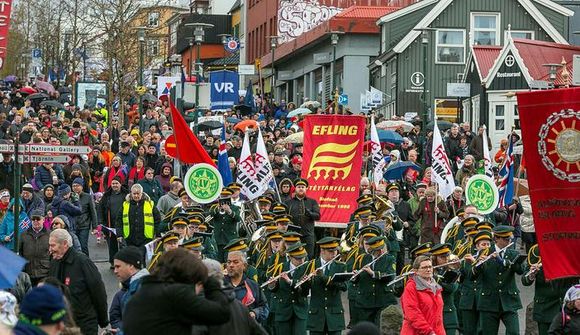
[{"x": 516, "y": 192}]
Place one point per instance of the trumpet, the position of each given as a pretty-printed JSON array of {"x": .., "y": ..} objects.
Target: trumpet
[
  {"x": 533, "y": 271},
  {"x": 309, "y": 276},
  {"x": 275, "y": 278},
  {"x": 368, "y": 265}
]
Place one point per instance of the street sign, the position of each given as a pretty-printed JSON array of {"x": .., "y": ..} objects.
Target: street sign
[
  {"x": 58, "y": 149},
  {"x": 576, "y": 72},
  {"x": 9, "y": 148},
  {"x": 247, "y": 69},
  {"x": 171, "y": 146},
  {"x": 343, "y": 99},
  {"x": 539, "y": 84},
  {"x": 322, "y": 58},
  {"x": 43, "y": 159},
  {"x": 232, "y": 44},
  {"x": 458, "y": 90}
]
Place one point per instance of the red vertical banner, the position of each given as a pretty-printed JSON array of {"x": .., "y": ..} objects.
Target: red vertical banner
[
  {"x": 5, "y": 9},
  {"x": 550, "y": 122},
  {"x": 333, "y": 147}
]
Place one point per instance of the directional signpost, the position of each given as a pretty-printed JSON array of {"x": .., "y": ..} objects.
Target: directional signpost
[
  {"x": 44, "y": 153},
  {"x": 343, "y": 99}
]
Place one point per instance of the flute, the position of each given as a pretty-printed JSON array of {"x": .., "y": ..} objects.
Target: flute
[
  {"x": 368, "y": 265},
  {"x": 274, "y": 279},
  {"x": 493, "y": 253},
  {"x": 308, "y": 277}
]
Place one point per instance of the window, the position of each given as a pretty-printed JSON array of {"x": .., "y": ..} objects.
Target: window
[
  {"x": 499, "y": 117},
  {"x": 153, "y": 20},
  {"x": 527, "y": 34},
  {"x": 152, "y": 47},
  {"x": 485, "y": 29},
  {"x": 173, "y": 36},
  {"x": 516, "y": 117},
  {"x": 450, "y": 46}
]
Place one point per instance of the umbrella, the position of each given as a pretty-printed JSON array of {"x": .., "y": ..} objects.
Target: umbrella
[
  {"x": 397, "y": 170},
  {"x": 38, "y": 96},
  {"x": 299, "y": 111},
  {"x": 149, "y": 97},
  {"x": 64, "y": 89},
  {"x": 10, "y": 267},
  {"x": 209, "y": 125},
  {"x": 390, "y": 136},
  {"x": 441, "y": 124},
  {"x": 295, "y": 138},
  {"x": 11, "y": 78},
  {"x": 244, "y": 109},
  {"x": 27, "y": 90},
  {"x": 395, "y": 124},
  {"x": 45, "y": 86},
  {"x": 52, "y": 103},
  {"x": 311, "y": 104},
  {"x": 242, "y": 126},
  {"x": 233, "y": 120}
]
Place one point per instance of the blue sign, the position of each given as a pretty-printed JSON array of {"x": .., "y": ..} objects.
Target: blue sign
[
  {"x": 343, "y": 99},
  {"x": 232, "y": 44},
  {"x": 224, "y": 89},
  {"x": 36, "y": 53}
]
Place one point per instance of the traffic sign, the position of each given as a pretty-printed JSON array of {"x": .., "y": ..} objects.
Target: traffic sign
[
  {"x": 343, "y": 99},
  {"x": 58, "y": 149},
  {"x": 171, "y": 146},
  {"x": 43, "y": 159},
  {"x": 10, "y": 148}
]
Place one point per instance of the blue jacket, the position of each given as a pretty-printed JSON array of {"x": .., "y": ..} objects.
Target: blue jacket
[
  {"x": 129, "y": 287},
  {"x": 35, "y": 203},
  {"x": 64, "y": 207},
  {"x": 43, "y": 177},
  {"x": 7, "y": 225}
]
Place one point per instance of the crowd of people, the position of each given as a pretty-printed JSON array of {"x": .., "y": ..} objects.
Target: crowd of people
[{"x": 263, "y": 267}]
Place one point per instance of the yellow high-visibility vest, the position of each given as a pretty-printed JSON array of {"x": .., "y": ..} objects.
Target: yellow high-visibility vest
[{"x": 148, "y": 219}]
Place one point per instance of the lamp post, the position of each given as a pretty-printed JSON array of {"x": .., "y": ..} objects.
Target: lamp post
[
  {"x": 425, "y": 43},
  {"x": 141, "y": 37},
  {"x": 334, "y": 38},
  {"x": 273, "y": 46},
  {"x": 198, "y": 38},
  {"x": 190, "y": 63},
  {"x": 553, "y": 71}
]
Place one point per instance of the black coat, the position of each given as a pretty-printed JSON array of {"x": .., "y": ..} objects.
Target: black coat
[
  {"x": 88, "y": 217},
  {"x": 88, "y": 297},
  {"x": 111, "y": 205},
  {"x": 304, "y": 212},
  {"x": 570, "y": 326},
  {"x": 173, "y": 308},
  {"x": 34, "y": 248}
]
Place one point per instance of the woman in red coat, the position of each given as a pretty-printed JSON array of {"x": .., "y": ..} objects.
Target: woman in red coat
[{"x": 422, "y": 301}]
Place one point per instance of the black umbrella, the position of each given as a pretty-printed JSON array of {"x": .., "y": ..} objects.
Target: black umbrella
[
  {"x": 209, "y": 125},
  {"x": 441, "y": 124},
  {"x": 52, "y": 103},
  {"x": 244, "y": 109},
  {"x": 36, "y": 96},
  {"x": 64, "y": 89}
]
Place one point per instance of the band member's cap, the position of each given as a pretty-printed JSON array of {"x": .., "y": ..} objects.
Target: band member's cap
[
  {"x": 328, "y": 243},
  {"x": 291, "y": 236},
  {"x": 503, "y": 231},
  {"x": 195, "y": 219},
  {"x": 393, "y": 186},
  {"x": 297, "y": 250},
  {"x": 170, "y": 236},
  {"x": 226, "y": 193},
  {"x": 421, "y": 249},
  {"x": 265, "y": 199},
  {"x": 268, "y": 216},
  {"x": 470, "y": 231},
  {"x": 195, "y": 243},
  {"x": 376, "y": 243},
  {"x": 469, "y": 222},
  {"x": 482, "y": 235},
  {"x": 235, "y": 186},
  {"x": 274, "y": 235},
  {"x": 238, "y": 244},
  {"x": 365, "y": 199},
  {"x": 279, "y": 208},
  {"x": 363, "y": 212},
  {"x": 283, "y": 218},
  {"x": 181, "y": 192},
  {"x": 179, "y": 220},
  {"x": 300, "y": 182},
  {"x": 460, "y": 211},
  {"x": 484, "y": 225},
  {"x": 441, "y": 249},
  {"x": 369, "y": 231}
]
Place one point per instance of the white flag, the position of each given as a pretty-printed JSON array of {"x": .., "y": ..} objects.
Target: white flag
[
  {"x": 486, "y": 157},
  {"x": 379, "y": 163},
  {"x": 369, "y": 99},
  {"x": 441, "y": 174},
  {"x": 264, "y": 174},
  {"x": 363, "y": 102},
  {"x": 376, "y": 96},
  {"x": 247, "y": 171}
]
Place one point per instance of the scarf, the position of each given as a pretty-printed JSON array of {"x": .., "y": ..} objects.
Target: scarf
[
  {"x": 422, "y": 284},
  {"x": 248, "y": 299}
]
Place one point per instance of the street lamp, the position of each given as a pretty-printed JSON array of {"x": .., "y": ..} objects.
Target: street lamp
[
  {"x": 273, "y": 46},
  {"x": 141, "y": 39},
  {"x": 198, "y": 38},
  {"x": 553, "y": 71},
  {"x": 334, "y": 37},
  {"x": 425, "y": 32}
]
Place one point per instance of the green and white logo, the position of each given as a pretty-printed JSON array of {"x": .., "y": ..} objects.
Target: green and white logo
[
  {"x": 203, "y": 183},
  {"x": 482, "y": 193}
]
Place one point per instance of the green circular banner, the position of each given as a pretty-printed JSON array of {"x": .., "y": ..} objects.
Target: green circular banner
[
  {"x": 203, "y": 183},
  {"x": 482, "y": 192}
]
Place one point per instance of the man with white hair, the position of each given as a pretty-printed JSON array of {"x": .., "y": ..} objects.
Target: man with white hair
[{"x": 88, "y": 297}]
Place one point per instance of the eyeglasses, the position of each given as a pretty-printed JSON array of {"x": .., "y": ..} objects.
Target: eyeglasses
[{"x": 36, "y": 218}]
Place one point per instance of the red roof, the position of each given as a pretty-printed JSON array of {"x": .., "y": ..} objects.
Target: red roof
[
  {"x": 485, "y": 57},
  {"x": 537, "y": 53},
  {"x": 365, "y": 12}
]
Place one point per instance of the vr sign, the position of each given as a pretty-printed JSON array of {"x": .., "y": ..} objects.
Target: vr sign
[{"x": 224, "y": 89}]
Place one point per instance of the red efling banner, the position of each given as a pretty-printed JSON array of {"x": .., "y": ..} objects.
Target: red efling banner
[
  {"x": 333, "y": 147},
  {"x": 550, "y": 122},
  {"x": 5, "y": 9}
]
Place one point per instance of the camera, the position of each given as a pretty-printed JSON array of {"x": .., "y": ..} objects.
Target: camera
[{"x": 225, "y": 201}]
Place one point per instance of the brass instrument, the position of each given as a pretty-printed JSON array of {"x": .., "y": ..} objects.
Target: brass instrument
[
  {"x": 534, "y": 270},
  {"x": 275, "y": 278},
  {"x": 250, "y": 213},
  {"x": 309, "y": 276},
  {"x": 383, "y": 206},
  {"x": 348, "y": 239},
  {"x": 534, "y": 258}
]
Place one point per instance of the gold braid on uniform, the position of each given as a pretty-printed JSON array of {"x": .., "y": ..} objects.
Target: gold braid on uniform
[
  {"x": 452, "y": 232},
  {"x": 352, "y": 253},
  {"x": 358, "y": 260},
  {"x": 153, "y": 262},
  {"x": 277, "y": 270},
  {"x": 405, "y": 269},
  {"x": 274, "y": 266}
]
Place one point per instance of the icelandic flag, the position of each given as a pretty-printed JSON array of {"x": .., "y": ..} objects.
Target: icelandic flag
[
  {"x": 25, "y": 223},
  {"x": 223, "y": 163},
  {"x": 506, "y": 176}
]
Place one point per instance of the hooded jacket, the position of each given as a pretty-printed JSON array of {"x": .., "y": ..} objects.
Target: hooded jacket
[
  {"x": 7, "y": 225},
  {"x": 71, "y": 210}
]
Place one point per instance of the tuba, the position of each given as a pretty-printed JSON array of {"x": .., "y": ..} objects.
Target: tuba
[{"x": 250, "y": 213}]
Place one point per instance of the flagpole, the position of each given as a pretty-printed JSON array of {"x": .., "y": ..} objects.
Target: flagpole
[{"x": 516, "y": 193}]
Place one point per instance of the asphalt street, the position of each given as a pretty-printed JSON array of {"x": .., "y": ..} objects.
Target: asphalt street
[{"x": 99, "y": 254}]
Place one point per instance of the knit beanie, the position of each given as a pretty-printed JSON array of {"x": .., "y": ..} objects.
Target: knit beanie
[
  {"x": 63, "y": 189},
  {"x": 79, "y": 180},
  {"x": 130, "y": 255},
  {"x": 43, "y": 305}
]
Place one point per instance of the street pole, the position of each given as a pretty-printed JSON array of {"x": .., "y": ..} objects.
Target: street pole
[
  {"x": 190, "y": 65},
  {"x": 141, "y": 43},
  {"x": 16, "y": 230},
  {"x": 425, "y": 104},
  {"x": 197, "y": 78},
  {"x": 273, "y": 88},
  {"x": 332, "y": 75}
]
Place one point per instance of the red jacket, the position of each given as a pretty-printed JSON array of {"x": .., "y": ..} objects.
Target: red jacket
[{"x": 422, "y": 310}]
